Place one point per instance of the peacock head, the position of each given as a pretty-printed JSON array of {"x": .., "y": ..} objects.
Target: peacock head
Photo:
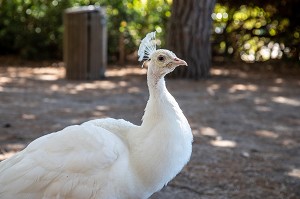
[{"x": 164, "y": 60}]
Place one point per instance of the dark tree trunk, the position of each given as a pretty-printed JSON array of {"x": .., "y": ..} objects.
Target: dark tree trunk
[{"x": 189, "y": 36}]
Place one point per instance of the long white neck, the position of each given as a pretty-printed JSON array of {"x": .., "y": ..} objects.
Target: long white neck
[
  {"x": 156, "y": 83},
  {"x": 164, "y": 140},
  {"x": 160, "y": 102}
]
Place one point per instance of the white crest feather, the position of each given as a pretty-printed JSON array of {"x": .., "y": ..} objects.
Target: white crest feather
[{"x": 147, "y": 46}]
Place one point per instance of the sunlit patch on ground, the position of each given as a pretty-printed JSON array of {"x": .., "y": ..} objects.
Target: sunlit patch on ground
[
  {"x": 224, "y": 143},
  {"x": 294, "y": 173},
  {"x": 285, "y": 100},
  {"x": 208, "y": 131},
  {"x": 267, "y": 134},
  {"x": 242, "y": 87}
]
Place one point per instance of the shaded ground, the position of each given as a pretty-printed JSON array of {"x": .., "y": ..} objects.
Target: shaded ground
[{"x": 246, "y": 125}]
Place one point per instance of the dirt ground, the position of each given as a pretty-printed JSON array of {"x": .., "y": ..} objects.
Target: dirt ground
[{"x": 246, "y": 124}]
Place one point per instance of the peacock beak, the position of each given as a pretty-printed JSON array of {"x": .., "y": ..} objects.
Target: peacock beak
[{"x": 179, "y": 62}]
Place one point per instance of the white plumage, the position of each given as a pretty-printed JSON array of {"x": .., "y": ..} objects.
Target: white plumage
[
  {"x": 107, "y": 158},
  {"x": 147, "y": 46}
]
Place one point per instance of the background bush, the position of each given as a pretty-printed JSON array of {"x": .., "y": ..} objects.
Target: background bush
[
  {"x": 34, "y": 30},
  {"x": 31, "y": 28},
  {"x": 256, "y": 31}
]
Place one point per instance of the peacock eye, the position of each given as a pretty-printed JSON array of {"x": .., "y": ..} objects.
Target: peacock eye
[{"x": 161, "y": 58}]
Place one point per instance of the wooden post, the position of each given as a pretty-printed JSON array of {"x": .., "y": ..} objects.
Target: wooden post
[{"x": 85, "y": 43}]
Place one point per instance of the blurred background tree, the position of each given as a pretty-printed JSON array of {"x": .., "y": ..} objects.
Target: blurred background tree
[
  {"x": 257, "y": 30},
  {"x": 189, "y": 36},
  {"x": 251, "y": 31}
]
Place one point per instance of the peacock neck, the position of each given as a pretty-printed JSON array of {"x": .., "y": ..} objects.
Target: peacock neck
[
  {"x": 156, "y": 84},
  {"x": 161, "y": 103}
]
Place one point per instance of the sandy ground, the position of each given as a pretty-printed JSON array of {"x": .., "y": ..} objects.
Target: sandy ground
[{"x": 246, "y": 125}]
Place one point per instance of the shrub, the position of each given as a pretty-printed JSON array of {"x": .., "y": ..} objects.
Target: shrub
[{"x": 34, "y": 28}]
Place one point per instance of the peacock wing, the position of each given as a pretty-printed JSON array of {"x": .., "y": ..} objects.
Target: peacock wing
[{"x": 71, "y": 163}]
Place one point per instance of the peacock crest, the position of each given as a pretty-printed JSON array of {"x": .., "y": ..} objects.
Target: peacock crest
[{"x": 147, "y": 46}]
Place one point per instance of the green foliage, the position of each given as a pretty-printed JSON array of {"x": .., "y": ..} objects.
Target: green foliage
[
  {"x": 130, "y": 20},
  {"x": 251, "y": 31},
  {"x": 255, "y": 33},
  {"x": 33, "y": 28}
]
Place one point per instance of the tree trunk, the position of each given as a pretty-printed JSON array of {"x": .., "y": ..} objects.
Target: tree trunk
[
  {"x": 189, "y": 34},
  {"x": 121, "y": 49}
]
